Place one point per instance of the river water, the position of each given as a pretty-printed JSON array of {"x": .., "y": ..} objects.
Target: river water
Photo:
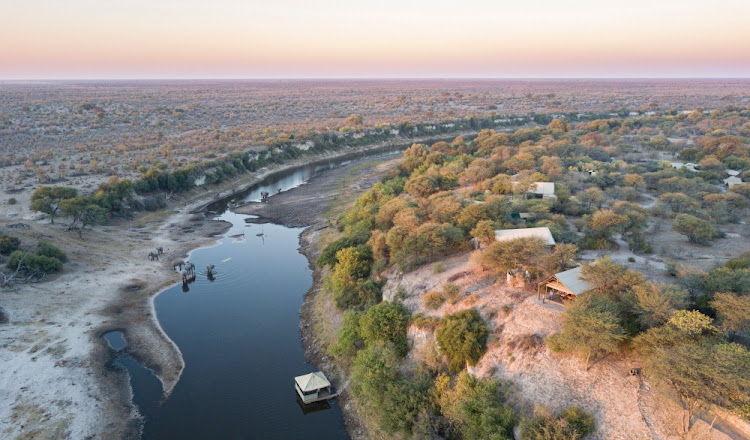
[{"x": 239, "y": 335}]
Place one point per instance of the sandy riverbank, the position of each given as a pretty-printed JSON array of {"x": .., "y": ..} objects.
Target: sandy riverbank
[{"x": 58, "y": 380}]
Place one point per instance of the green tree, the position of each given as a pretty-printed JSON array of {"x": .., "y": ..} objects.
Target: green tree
[
  {"x": 697, "y": 230},
  {"x": 483, "y": 232},
  {"x": 474, "y": 406},
  {"x": 591, "y": 327},
  {"x": 603, "y": 224},
  {"x": 655, "y": 303},
  {"x": 386, "y": 322},
  {"x": 47, "y": 199},
  {"x": 688, "y": 355},
  {"x": 558, "y": 126},
  {"x": 608, "y": 278},
  {"x": 84, "y": 212},
  {"x": 354, "y": 120},
  {"x": 501, "y": 256},
  {"x": 732, "y": 311},
  {"x": 462, "y": 338}
]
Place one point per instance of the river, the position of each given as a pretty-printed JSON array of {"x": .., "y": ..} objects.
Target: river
[{"x": 239, "y": 334}]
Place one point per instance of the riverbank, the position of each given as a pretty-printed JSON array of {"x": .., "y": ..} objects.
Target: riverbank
[
  {"x": 315, "y": 206},
  {"x": 59, "y": 381}
]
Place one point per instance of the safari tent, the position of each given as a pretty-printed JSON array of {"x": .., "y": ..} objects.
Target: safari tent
[
  {"x": 512, "y": 234},
  {"x": 563, "y": 286}
]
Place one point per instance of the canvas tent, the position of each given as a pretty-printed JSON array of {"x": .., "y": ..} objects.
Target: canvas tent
[
  {"x": 565, "y": 285},
  {"x": 512, "y": 234}
]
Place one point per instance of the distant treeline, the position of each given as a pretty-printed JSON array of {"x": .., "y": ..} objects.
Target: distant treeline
[
  {"x": 227, "y": 167},
  {"x": 110, "y": 195}
]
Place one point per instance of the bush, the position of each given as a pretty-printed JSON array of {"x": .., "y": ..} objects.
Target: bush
[
  {"x": 328, "y": 255},
  {"x": 47, "y": 249},
  {"x": 34, "y": 263},
  {"x": 572, "y": 424},
  {"x": 462, "y": 338},
  {"x": 8, "y": 244},
  {"x": 438, "y": 268},
  {"x": 474, "y": 406},
  {"x": 386, "y": 322},
  {"x": 451, "y": 292},
  {"x": 12, "y": 201},
  {"x": 433, "y": 300}
]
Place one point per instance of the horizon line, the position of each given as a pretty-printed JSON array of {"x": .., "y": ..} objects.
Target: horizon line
[{"x": 383, "y": 78}]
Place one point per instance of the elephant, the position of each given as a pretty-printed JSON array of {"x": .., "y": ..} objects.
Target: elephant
[
  {"x": 153, "y": 256},
  {"x": 210, "y": 271},
  {"x": 187, "y": 277},
  {"x": 190, "y": 268},
  {"x": 177, "y": 263},
  {"x": 160, "y": 250}
]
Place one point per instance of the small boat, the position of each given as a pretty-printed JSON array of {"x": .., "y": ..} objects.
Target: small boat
[{"x": 314, "y": 387}]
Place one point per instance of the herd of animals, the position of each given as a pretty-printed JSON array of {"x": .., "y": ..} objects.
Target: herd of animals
[{"x": 186, "y": 268}]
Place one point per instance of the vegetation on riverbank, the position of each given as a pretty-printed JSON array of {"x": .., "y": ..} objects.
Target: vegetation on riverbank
[{"x": 443, "y": 195}]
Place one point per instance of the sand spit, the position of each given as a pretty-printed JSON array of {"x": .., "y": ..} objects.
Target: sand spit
[{"x": 58, "y": 378}]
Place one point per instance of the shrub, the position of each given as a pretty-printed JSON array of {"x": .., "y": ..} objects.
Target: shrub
[
  {"x": 12, "y": 201},
  {"x": 34, "y": 263},
  {"x": 328, "y": 255},
  {"x": 386, "y": 322},
  {"x": 697, "y": 230},
  {"x": 8, "y": 244},
  {"x": 349, "y": 339},
  {"x": 451, "y": 292},
  {"x": 47, "y": 249},
  {"x": 433, "y": 300},
  {"x": 425, "y": 322},
  {"x": 474, "y": 406},
  {"x": 462, "y": 338},
  {"x": 438, "y": 268},
  {"x": 572, "y": 424}
]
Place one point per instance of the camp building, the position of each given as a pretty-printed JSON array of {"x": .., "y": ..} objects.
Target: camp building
[
  {"x": 313, "y": 387},
  {"x": 513, "y": 234},
  {"x": 563, "y": 286}
]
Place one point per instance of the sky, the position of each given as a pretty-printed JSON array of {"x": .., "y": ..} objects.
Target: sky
[{"x": 91, "y": 39}]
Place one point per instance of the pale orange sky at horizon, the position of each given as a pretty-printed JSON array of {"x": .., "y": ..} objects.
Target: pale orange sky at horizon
[{"x": 41, "y": 39}]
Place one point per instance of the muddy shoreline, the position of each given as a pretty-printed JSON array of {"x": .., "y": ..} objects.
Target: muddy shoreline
[{"x": 133, "y": 312}]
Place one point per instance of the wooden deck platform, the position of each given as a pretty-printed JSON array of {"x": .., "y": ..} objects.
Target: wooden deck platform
[{"x": 322, "y": 396}]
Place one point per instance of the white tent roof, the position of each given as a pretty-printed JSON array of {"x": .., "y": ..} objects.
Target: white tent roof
[
  {"x": 541, "y": 188},
  {"x": 512, "y": 234},
  {"x": 571, "y": 279},
  {"x": 544, "y": 188},
  {"x": 732, "y": 180},
  {"x": 311, "y": 382}
]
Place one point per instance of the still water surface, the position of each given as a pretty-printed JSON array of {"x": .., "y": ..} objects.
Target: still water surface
[{"x": 239, "y": 335}]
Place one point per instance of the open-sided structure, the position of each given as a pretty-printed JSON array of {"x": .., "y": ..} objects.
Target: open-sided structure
[
  {"x": 313, "y": 387},
  {"x": 563, "y": 286}
]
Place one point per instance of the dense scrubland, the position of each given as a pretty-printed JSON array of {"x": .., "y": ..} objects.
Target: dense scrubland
[
  {"x": 622, "y": 187},
  {"x": 430, "y": 333},
  {"x": 89, "y": 131}
]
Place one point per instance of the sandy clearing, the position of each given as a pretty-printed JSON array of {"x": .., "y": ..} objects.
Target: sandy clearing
[{"x": 625, "y": 407}]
